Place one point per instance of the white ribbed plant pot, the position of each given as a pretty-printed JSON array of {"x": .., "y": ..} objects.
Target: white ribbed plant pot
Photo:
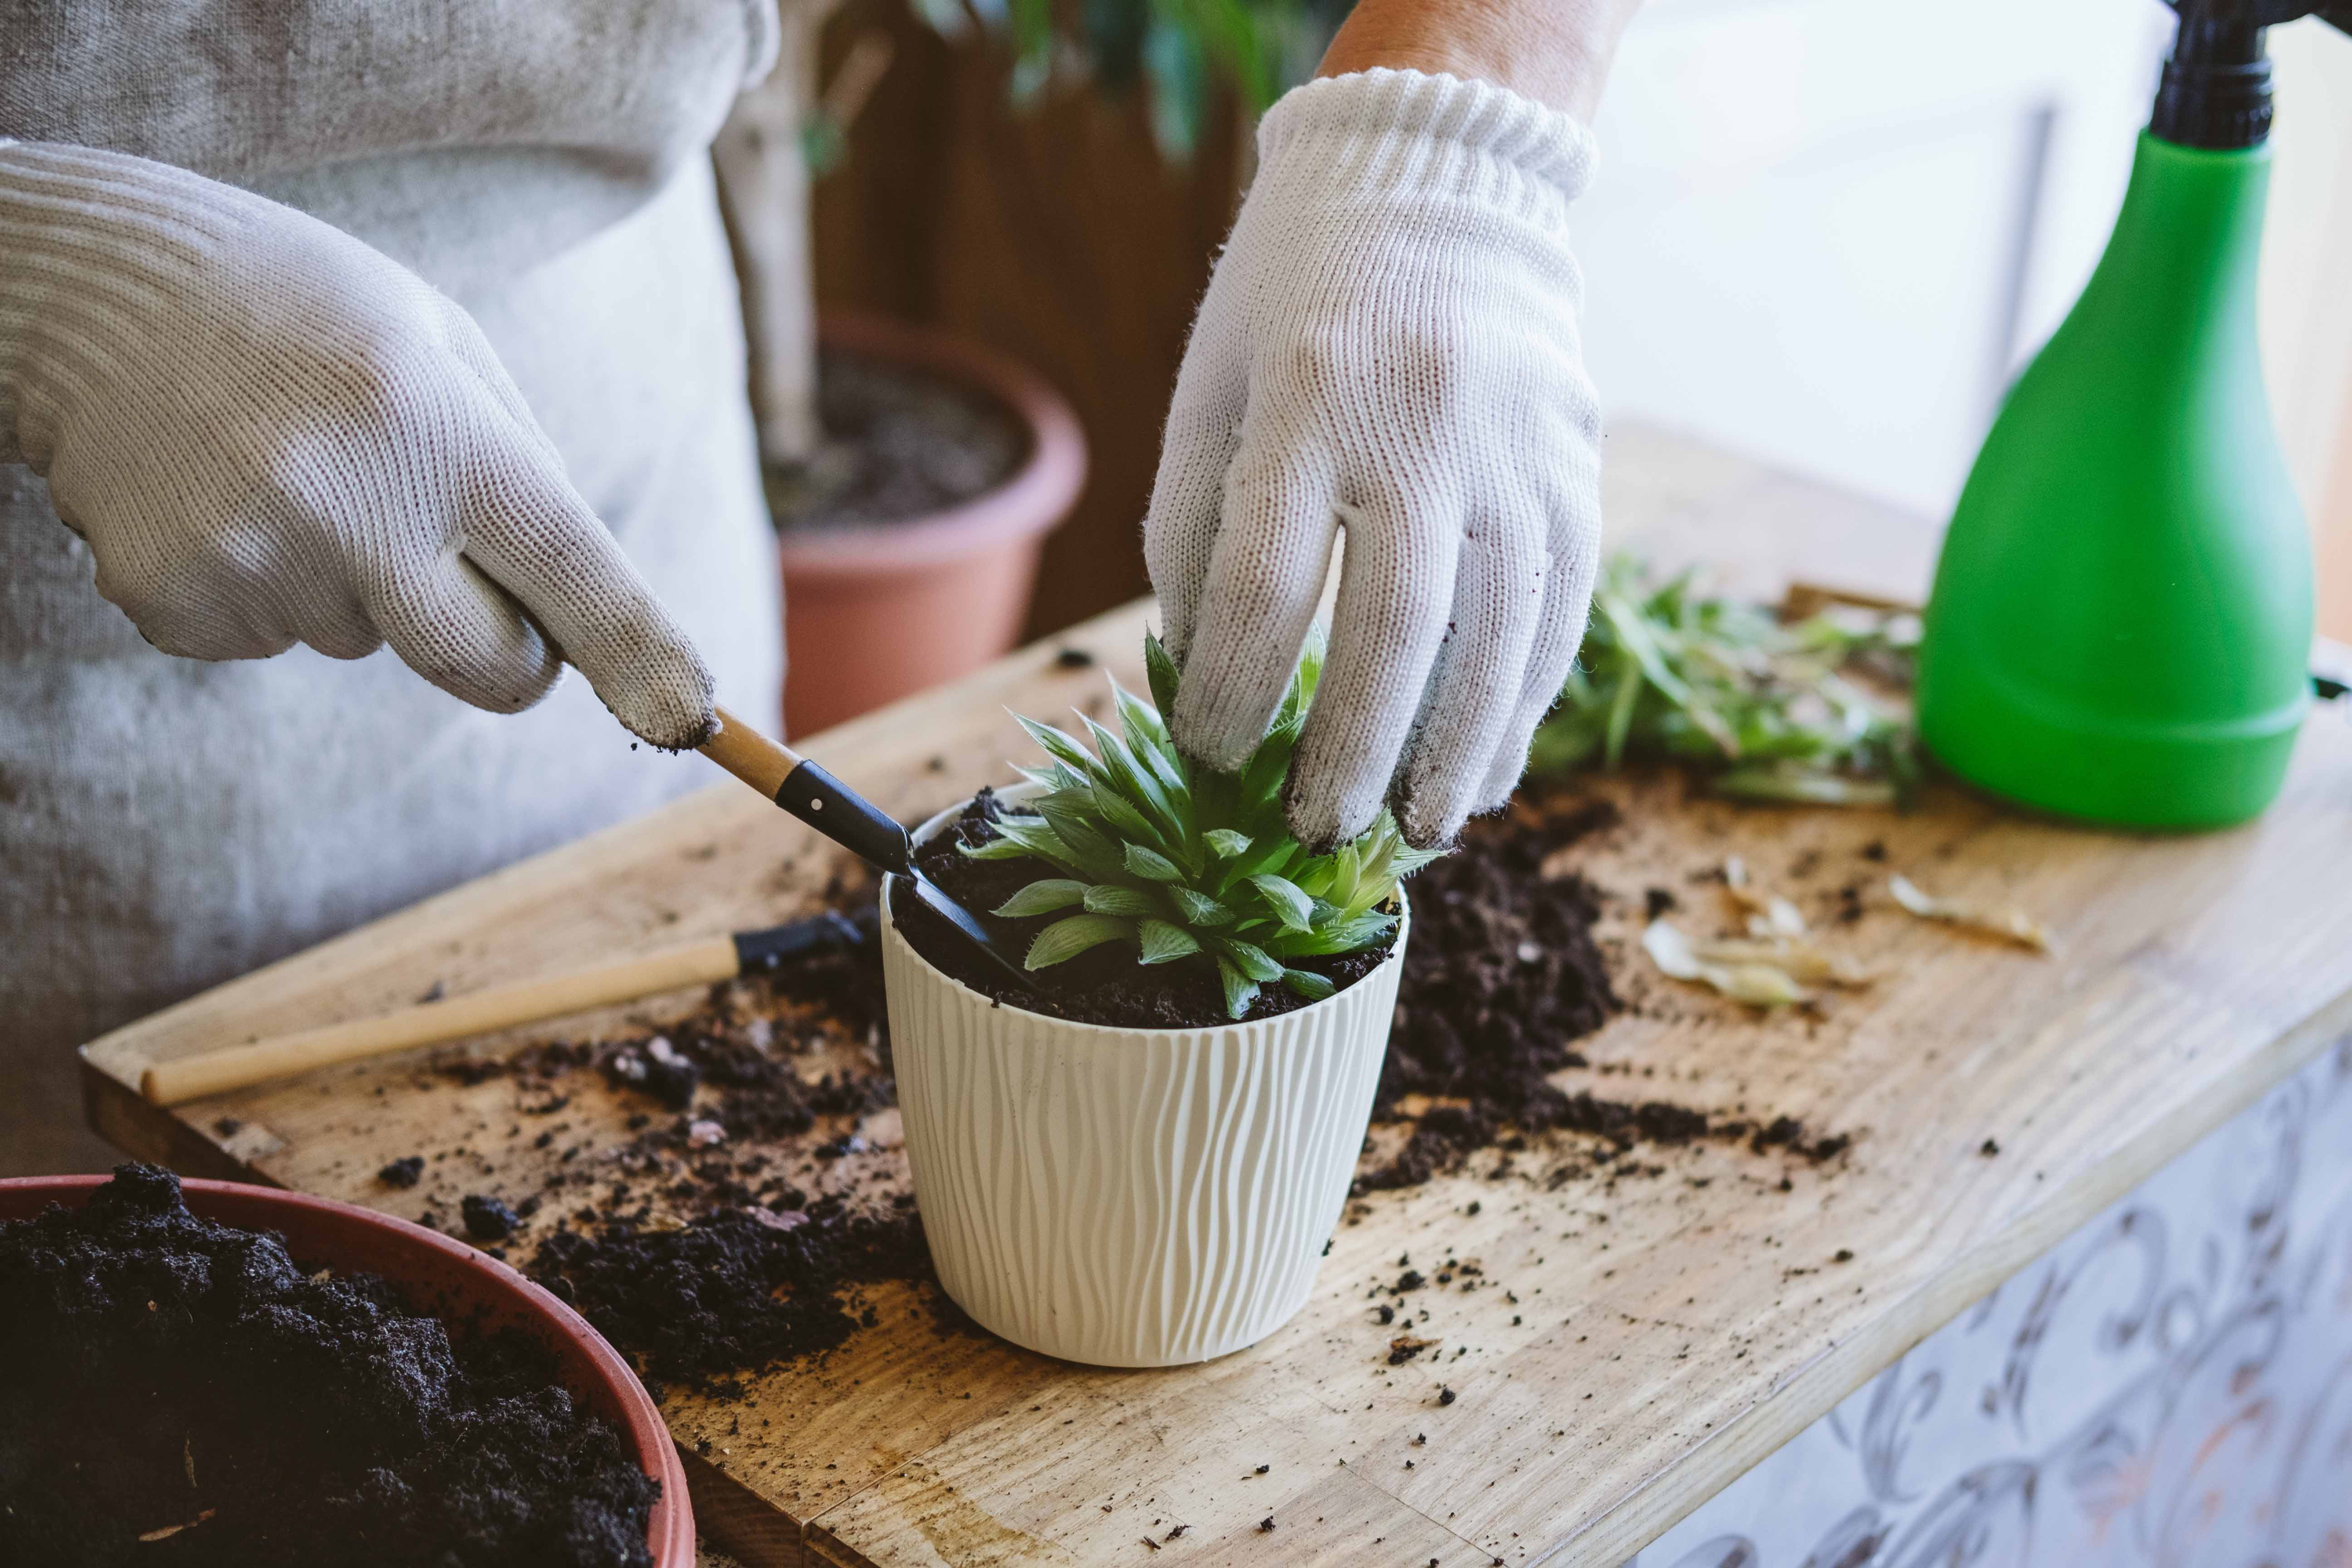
[{"x": 1130, "y": 1197}]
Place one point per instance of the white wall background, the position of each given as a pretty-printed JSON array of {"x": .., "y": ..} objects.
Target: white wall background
[
  {"x": 1826, "y": 232},
  {"x": 2308, "y": 278}
]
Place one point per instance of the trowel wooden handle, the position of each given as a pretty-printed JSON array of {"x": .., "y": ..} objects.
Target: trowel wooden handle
[
  {"x": 429, "y": 1023},
  {"x": 809, "y": 793},
  {"x": 762, "y": 764}
]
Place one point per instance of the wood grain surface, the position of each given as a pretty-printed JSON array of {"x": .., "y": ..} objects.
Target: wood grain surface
[{"x": 1635, "y": 1334}]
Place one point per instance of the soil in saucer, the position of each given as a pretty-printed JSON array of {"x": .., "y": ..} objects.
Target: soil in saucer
[
  {"x": 897, "y": 442},
  {"x": 184, "y": 1392},
  {"x": 1102, "y": 985}
]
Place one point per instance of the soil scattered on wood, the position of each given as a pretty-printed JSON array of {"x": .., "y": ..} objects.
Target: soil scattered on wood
[
  {"x": 1104, "y": 985},
  {"x": 489, "y": 1218},
  {"x": 746, "y": 1219},
  {"x": 1501, "y": 979},
  {"x": 735, "y": 1291},
  {"x": 184, "y": 1392},
  {"x": 731, "y": 1233},
  {"x": 761, "y": 1270}
]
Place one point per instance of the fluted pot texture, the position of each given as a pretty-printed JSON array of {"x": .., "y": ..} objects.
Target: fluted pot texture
[{"x": 1130, "y": 1197}]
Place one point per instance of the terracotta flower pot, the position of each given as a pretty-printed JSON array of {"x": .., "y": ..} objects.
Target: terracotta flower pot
[
  {"x": 872, "y": 614},
  {"x": 1130, "y": 1197},
  {"x": 448, "y": 1278}
]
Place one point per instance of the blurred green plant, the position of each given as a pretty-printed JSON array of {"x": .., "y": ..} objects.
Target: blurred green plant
[
  {"x": 1185, "y": 50},
  {"x": 1767, "y": 709}
]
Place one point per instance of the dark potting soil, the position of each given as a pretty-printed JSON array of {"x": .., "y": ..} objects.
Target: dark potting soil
[
  {"x": 704, "y": 1259},
  {"x": 1102, "y": 985},
  {"x": 762, "y": 1272},
  {"x": 489, "y": 1218},
  {"x": 1501, "y": 978},
  {"x": 183, "y": 1393},
  {"x": 736, "y": 1290},
  {"x": 897, "y": 443}
]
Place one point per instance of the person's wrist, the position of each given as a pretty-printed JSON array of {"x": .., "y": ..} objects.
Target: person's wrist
[
  {"x": 1468, "y": 139},
  {"x": 1555, "y": 52}
]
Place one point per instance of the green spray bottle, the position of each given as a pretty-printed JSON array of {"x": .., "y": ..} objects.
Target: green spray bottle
[{"x": 2121, "y": 624}]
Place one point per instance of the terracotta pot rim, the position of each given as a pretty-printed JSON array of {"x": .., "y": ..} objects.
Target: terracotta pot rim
[
  {"x": 1033, "y": 499},
  {"x": 670, "y": 1529},
  {"x": 937, "y": 823}
]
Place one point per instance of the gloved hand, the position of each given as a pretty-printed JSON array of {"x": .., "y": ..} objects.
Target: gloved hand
[
  {"x": 269, "y": 433},
  {"x": 1388, "y": 346}
]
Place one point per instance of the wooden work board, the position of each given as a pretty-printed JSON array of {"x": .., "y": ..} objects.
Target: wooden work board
[{"x": 1632, "y": 1336}]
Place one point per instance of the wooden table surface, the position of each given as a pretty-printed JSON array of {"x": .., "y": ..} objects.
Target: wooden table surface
[{"x": 1635, "y": 1341}]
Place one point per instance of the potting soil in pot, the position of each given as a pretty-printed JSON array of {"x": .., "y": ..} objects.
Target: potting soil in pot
[
  {"x": 179, "y": 1392},
  {"x": 897, "y": 443},
  {"x": 1102, "y": 985}
]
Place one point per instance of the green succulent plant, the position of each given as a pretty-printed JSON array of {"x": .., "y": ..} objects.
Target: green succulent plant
[{"x": 1189, "y": 864}]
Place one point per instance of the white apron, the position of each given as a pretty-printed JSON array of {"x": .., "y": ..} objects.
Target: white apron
[{"x": 166, "y": 823}]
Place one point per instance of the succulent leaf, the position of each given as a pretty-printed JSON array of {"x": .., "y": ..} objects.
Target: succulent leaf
[
  {"x": 1062, "y": 748},
  {"x": 996, "y": 850},
  {"x": 1197, "y": 907},
  {"x": 1272, "y": 857},
  {"x": 1042, "y": 898},
  {"x": 1293, "y": 907},
  {"x": 1121, "y": 814},
  {"x": 1309, "y": 984},
  {"x": 1088, "y": 850},
  {"x": 1150, "y": 864},
  {"x": 1066, "y": 939},
  {"x": 1159, "y": 670},
  {"x": 1348, "y": 936},
  {"x": 1034, "y": 837},
  {"x": 1147, "y": 735},
  {"x": 1108, "y": 898},
  {"x": 1190, "y": 864},
  {"x": 1163, "y": 942},
  {"x": 1239, "y": 989},
  {"x": 1249, "y": 958},
  {"x": 1407, "y": 860},
  {"x": 1134, "y": 782}
]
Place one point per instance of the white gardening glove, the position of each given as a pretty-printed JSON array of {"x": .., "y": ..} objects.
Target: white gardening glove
[
  {"x": 1388, "y": 346},
  {"x": 269, "y": 433}
]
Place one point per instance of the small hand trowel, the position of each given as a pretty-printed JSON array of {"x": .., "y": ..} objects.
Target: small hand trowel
[
  {"x": 842, "y": 815},
  {"x": 792, "y": 782}
]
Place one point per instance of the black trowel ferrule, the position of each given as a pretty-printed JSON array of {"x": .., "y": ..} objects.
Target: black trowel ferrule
[
  {"x": 762, "y": 949},
  {"x": 834, "y": 809}
]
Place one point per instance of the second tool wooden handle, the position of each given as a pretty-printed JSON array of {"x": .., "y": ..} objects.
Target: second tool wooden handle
[{"x": 428, "y": 1023}]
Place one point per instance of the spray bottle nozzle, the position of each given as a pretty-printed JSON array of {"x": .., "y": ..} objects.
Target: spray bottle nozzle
[
  {"x": 2267, "y": 13},
  {"x": 2216, "y": 91}
]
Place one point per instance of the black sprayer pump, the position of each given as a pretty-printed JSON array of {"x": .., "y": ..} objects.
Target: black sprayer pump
[{"x": 2216, "y": 91}]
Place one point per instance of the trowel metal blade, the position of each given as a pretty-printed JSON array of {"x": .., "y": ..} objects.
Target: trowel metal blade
[{"x": 965, "y": 922}]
